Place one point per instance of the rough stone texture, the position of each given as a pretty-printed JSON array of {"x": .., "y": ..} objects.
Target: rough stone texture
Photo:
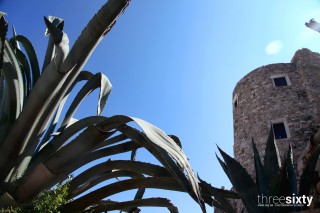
[{"x": 259, "y": 104}]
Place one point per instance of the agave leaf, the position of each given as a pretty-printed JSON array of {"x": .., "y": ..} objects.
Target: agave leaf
[
  {"x": 55, "y": 164},
  {"x": 28, "y": 123},
  {"x": 176, "y": 139},
  {"x": 164, "y": 149},
  {"x": 3, "y": 34},
  {"x": 51, "y": 127},
  {"x": 242, "y": 182},
  {"x": 31, "y": 55},
  {"x": 206, "y": 190},
  {"x": 75, "y": 190},
  {"x": 59, "y": 23},
  {"x": 103, "y": 152},
  {"x": 221, "y": 198},
  {"x": 56, "y": 143},
  {"x": 271, "y": 158},
  {"x": 13, "y": 89},
  {"x": 14, "y": 43},
  {"x": 133, "y": 154},
  {"x": 26, "y": 72},
  {"x": 57, "y": 84},
  {"x": 92, "y": 34},
  {"x": 84, "y": 75},
  {"x": 13, "y": 75},
  {"x": 124, "y": 185},
  {"x": 260, "y": 173},
  {"x": 280, "y": 186},
  {"x": 291, "y": 171},
  {"x": 56, "y": 21},
  {"x": 105, "y": 206},
  {"x": 139, "y": 168},
  {"x": 98, "y": 80},
  {"x": 224, "y": 166},
  {"x": 5, "y": 122},
  {"x": 307, "y": 177}
]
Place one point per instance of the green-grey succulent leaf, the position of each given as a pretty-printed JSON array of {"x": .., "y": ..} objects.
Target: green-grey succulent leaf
[
  {"x": 57, "y": 84},
  {"x": 76, "y": 190},
  {"x": 55, "y": 33},
  {"x": 165, "y": 150},
  {"x": 176, "y": 139},
  {"x": 57, "y": 22},
  {"x": 224, "y": 166},
  {"x": 2, "y": 14},
  {"x": 81, "y": 203},
  {"x": 291, "y": 171},
  {"x": 280, "y": 186},
  {"x": 90, "y": 175},
  {"x": 307, "y": 177},
  {"x": 12, "y": 95},
  {"x": 84, "y": 75},
  {"x": 93, "y": 34},
  {"x": 125, "y": 206},
  {"x": 98, "y": 80},
  {"x": 14, "y": 43},
  {"x": 58, "y": 141},
  {"x": 26, "y": 72},
  {"x": 220, "y": 197},
  {"x": 260, "y": 173},
  {"x": 3, "y": 34},
  {"x": 31, "y": 55},
  {"x": 13, "y": 75},
  {"x": 271, "y": 158},
  {"x": 242, "y": 182},
  {"x": 206, "y": 190},
  {"x": 102, "y": 153},
  {"x": 133, "y": 155}
]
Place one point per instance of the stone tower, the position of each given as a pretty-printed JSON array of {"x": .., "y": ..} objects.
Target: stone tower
[{"x": 283, "y": 96}]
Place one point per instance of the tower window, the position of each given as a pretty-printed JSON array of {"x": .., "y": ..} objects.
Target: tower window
[
  {"x": 235, "y": 103},
  {"x": 279, "y": 130},
  {"x": 282, "y": 81}
]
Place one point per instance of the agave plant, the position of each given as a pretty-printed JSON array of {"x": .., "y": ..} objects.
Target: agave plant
[
  {"x": 272, "y": 178},
  {"x": 39, "y": 150}
]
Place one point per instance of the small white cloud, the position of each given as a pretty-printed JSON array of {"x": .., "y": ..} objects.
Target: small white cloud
[{"x": 274, "y": 47}]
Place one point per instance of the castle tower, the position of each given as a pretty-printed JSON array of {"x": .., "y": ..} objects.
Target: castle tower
[{"x": 283, "y": 96}]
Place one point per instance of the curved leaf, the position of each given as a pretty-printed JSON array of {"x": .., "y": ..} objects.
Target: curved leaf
[
  {"x": 106, "y": 206},
  {"x": 291, "y": 171},
  {"x": 242, "y": 182},
  {"x": 271, "y": 158},
  {"x": 98, "y": 80},
  {"x": 220, "y": 197},
  {"x": 260, "y": 173},
  {"x": 307, "y": 177},
  {"x": 92, "y": 34},
  {"x": 75, "y": 190},
  {"x": 139, "y": 168},
  {"x": 3, "y": 34},
  {"x": 84, "y": 75},
  {"x": 106, "y": 191},
  {"x": 32, "y": 56}
]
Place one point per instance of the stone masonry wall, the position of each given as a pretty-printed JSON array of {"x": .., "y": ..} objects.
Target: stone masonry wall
[{"x": 258, "y": 103}]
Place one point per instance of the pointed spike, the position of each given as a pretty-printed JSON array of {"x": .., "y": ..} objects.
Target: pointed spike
[
  {"x": 55, "y": 33},
  {"x": 2, "y": 14}
]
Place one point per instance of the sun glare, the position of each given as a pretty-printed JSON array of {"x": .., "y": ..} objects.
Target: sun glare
[{"x": 274, "y": 47}]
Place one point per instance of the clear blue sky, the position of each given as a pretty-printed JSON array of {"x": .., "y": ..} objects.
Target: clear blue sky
[{"x": 175, "y": 63}]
